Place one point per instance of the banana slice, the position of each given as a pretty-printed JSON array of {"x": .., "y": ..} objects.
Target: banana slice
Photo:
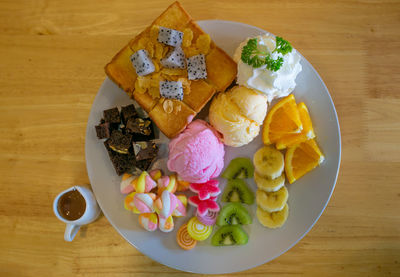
[
  {"x": 267, "y": 184},
  {"x": 272, "y": 220},
  {"x": 272, "y": 201},
  {"x": 268, "y": 162}
]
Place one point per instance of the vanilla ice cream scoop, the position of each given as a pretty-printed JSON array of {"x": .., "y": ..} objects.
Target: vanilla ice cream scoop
[
  {"x": 273, "y": 84},
  {"x": 238, "y": 115}
]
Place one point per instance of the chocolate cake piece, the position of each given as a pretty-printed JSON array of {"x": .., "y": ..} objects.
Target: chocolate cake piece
[
  {"x": 112, "y": 116},
  {"x": 103, "y": 130},
  {"x": 144, "y": 150},
  {"x": 140, "y": 128},
  {"x": 128, "y": 112},
  {"x": 120, "y": 142},
  {"x": 144, "y": 164},
  {"x": 122, "y": 162}
]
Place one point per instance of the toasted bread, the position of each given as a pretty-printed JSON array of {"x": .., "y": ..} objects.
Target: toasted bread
[
  {"x": 165, "y": 116},
  {"x": 221, "y": 71}
]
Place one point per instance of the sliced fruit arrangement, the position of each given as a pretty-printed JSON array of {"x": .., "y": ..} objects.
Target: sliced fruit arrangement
[
  {"x": 273, "y": 220},
  {"x": 239, "y": 168},
  {"x": 271, "y": 195},
  {"x": 234, "y": 214},
  {"x": 268, "y": 162},
  {"x": 229, "y": 235},
  {"x": 306, "y": 133},
  {"x": 238, "y": 191},
  {"x": 282, "y": 119},
  {"x": 302, "y": 158},
  {"x": 288, "y": 125}
]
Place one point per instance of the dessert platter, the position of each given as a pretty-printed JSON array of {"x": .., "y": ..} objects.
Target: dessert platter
[{"x": 212, "y": 146}]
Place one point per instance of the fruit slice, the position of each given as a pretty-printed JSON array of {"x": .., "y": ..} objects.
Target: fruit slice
[
  {"x": 282, "y": 119},
  {"x": 198, "y": 230},
  {"x": 268, "y": 184},
  {"x": 272, "y": 201},
  {"x": 184, "y": 240},
  {"x": 239, "y": 168},
  {"x": 233, "y": 214},
  {"x": 305, "y": 134},
  {"x": 229, "y": 235},
  {"x": 302, "y": 158},
  {"x": 272, "y": 220},
  {"x": 238, "y": 191},
  {"x": 268, "y": 162}
]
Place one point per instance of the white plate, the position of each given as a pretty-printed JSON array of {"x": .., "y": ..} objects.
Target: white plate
[{"x": 308, "y": 196}]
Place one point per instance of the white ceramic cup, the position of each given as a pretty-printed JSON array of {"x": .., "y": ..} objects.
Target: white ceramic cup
[{"x": 92, "y": 211}]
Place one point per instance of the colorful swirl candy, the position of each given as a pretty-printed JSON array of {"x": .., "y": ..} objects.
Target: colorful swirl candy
[
  {"x": 184, "y": 240},
  {"x": 143, "y": 202},
  {"x": 167, "y": 183},
  {"x": 208, "y": 219},
  {"x": 166, "y": 224},
  {"x": 149, "y": 221},
  {"x": 126, "y": 183},
  {"x": 198, "y": 230}
]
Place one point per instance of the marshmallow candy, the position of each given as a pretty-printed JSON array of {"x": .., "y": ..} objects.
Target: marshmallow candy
[{"x": 149, "y": 221}]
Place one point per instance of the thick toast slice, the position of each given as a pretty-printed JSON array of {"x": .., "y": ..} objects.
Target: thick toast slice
[{"x": 221, "y": 71}]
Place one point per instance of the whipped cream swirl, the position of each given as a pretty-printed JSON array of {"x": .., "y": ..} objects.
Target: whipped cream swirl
[{"x": 272, "y": 84}]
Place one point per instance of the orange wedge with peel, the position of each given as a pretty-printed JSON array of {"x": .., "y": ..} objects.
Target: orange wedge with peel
[
  {"x": 281, "y": 120},
  {"x": 305, "y": 134},
  {"x": 302, "y": 158}
]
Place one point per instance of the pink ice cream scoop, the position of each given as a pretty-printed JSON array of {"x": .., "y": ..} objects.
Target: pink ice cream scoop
[{"x": 197, "y": 154}]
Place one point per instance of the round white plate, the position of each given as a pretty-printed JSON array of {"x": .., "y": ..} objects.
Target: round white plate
[{"x": 308, "y": 196}]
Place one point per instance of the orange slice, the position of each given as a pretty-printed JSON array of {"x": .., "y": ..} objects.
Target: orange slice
[
  {"x": 305, "y": 134},
  {"x": 302, "y": 158},
  {"x": 281, "y": 120}
]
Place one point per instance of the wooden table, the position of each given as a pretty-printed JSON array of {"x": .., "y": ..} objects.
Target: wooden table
[{"x": 52, "y": 57}]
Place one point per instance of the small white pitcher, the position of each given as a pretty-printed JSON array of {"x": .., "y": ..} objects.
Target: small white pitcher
[{"x": 92, "y": 211}]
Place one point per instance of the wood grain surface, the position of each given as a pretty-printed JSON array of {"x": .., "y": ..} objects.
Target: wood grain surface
[{"x": 52, "y": 55}]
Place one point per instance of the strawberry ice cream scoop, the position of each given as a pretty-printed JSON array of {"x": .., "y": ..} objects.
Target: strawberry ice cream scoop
[{"x": 197, "y": 154}]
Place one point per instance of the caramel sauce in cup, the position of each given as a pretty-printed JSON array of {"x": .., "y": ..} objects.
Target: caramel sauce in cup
[
  {"x": 75, "y": 206},
  {"x": 71, "y": 205}
]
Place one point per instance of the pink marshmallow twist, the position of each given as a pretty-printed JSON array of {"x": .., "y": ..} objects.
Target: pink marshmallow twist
[
  {"x": 144, "y": 202},
  {"x": 166, "y": 204}
]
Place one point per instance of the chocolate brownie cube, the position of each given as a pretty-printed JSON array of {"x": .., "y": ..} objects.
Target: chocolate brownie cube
[
  {"x": 122, "y": 162},
  {"x": 128, "y": 112},
  {"x": 120, "y": 142},
  {"x": 144, "y": 164},
  {"x": 103, "y": 130},
  {"x": 140, "y": 128},
  {"x": 145, "y": 150},
  {"x": 112, "y": 116}
]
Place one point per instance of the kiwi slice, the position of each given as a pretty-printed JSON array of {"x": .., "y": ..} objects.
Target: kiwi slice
[
  {"x": 239, "y": 168},
  {"x": 233, "y": 214},
  {"x": 238, "y": 191},
  {"x": 229, "y": 235}
]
